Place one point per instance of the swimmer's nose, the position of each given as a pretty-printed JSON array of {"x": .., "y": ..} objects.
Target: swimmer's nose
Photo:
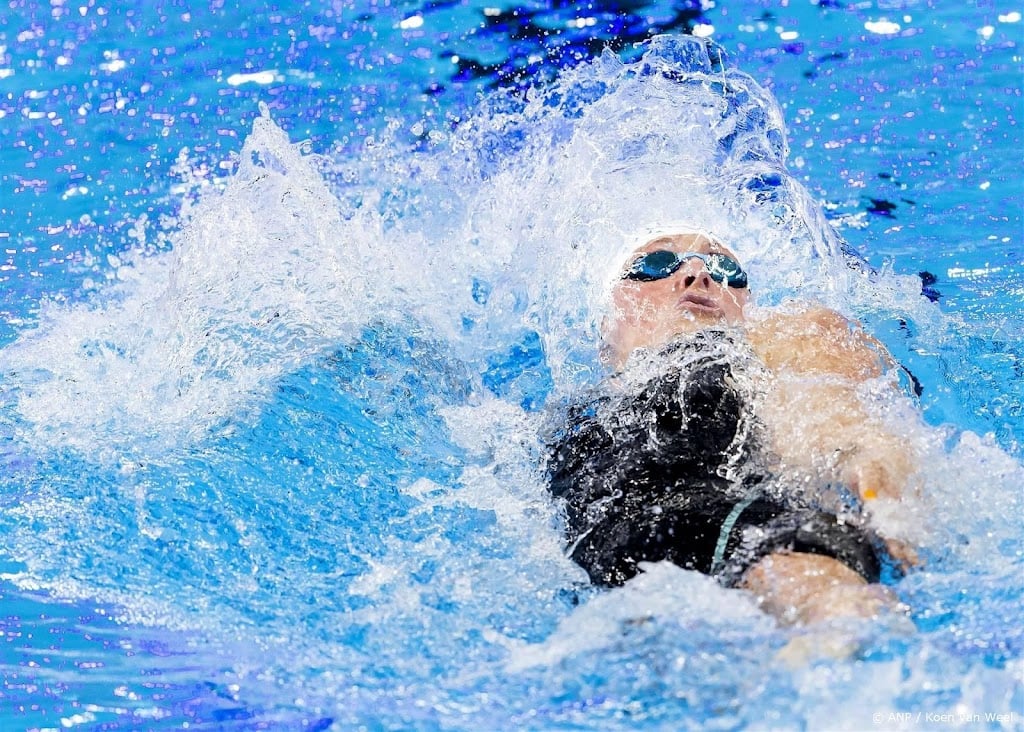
[
  {"x": 702, "y": 280},
  {"x": 693, "y": 274}
]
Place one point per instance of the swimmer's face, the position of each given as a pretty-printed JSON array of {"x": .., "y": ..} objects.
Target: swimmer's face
[{"x": 652, "y": 314}]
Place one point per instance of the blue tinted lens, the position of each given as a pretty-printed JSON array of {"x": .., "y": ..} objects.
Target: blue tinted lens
[
  {"x": 723, "y": 268},
  {"x": 654, "y": 266}
]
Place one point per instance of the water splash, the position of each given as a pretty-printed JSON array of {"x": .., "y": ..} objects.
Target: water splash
[
  {"x": 476, "y": 240},
  {"x": 260, "y": 278}
]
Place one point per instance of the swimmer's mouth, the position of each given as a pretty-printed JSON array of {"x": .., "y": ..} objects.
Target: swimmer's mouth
[{"x": 698, "y": 302}]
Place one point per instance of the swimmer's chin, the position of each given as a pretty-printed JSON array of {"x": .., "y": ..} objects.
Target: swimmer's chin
[{"x": 692, "y": 316}]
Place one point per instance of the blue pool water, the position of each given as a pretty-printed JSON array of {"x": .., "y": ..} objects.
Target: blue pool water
[{"x": 286, "y": 291}]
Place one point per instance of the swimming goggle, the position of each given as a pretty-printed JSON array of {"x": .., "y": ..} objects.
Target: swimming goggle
[{"x": 661, "y": 263}]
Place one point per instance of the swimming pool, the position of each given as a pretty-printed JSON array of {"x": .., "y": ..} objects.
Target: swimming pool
[{"x": 270, "y": 410}]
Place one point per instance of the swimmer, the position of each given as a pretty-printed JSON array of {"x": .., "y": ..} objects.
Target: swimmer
[{"x": 701, "y": 447}]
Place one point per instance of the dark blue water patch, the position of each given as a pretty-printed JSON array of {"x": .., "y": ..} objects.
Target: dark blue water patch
[
  {"x": 929, "y": 286},
  {"x": 880, "y": 207},
  {"x": 823, "y": 63},
  {"x": 520, "y": 373},
  {"x": 398, "y": 374},
  {"x": 539, "y": 42},
  {"x": 885, "y": 206},
  {"x": 765, "y": 186},
  {"x": 219, "y": 705}
]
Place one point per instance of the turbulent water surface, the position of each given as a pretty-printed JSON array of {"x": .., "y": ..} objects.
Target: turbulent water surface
[{"x": 273, "y": 459}]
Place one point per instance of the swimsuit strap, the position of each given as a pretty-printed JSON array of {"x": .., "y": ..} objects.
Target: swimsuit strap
[{"x": 718, "y": 561}]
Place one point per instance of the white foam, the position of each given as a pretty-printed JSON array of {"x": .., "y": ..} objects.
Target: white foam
[
  {"x": 662, "y": 594},
  {"x": 261, "y": 276}
]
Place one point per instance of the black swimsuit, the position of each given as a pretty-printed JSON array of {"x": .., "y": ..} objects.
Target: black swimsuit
[{"x": 670, "y": 471}]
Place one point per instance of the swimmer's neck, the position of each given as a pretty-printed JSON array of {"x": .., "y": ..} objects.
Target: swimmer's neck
[{"x": 736, "y": 333}]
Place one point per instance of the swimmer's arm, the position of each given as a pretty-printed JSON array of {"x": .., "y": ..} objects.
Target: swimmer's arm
[
  {"x": 820, "y": 427},
  {"x": 800, "y": 588},
  {"x": 819, "y": 359},
  {"x": 821, "y": 595}
]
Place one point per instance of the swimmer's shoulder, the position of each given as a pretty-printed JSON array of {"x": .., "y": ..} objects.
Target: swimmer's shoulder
[
  {"x": 792, "y": 322},
  {"x": 806, "y": 338},
  {"x": 800, "y": 316}
]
